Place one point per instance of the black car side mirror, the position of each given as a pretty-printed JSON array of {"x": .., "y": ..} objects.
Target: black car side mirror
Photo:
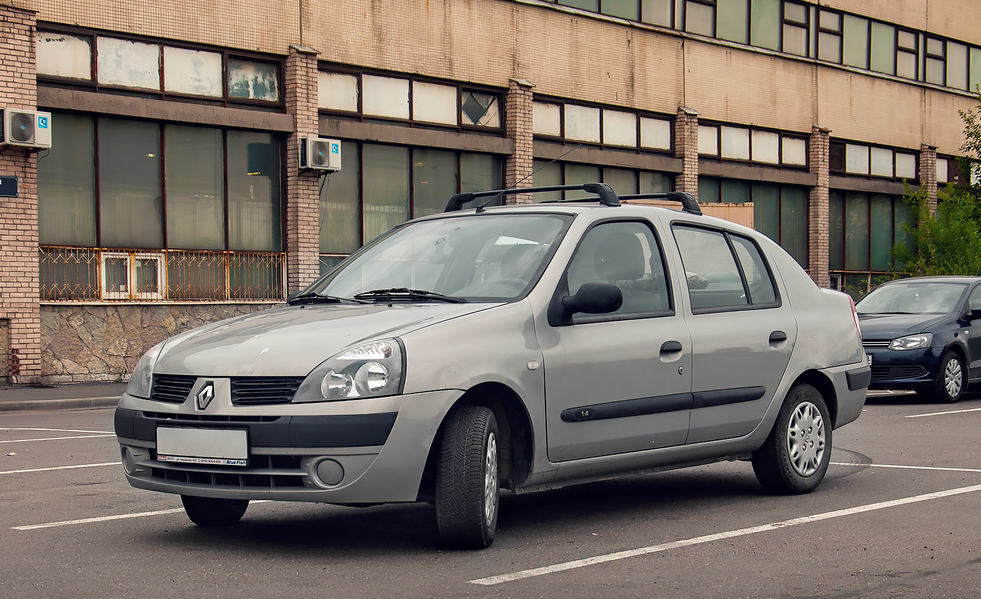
[{"x": 594, "y": 298}]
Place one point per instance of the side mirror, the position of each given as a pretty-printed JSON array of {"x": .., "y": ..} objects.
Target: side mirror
[{"x": 594, "y": 298}]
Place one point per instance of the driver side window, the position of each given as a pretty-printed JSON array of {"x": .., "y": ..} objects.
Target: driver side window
[{"x": 625, "y": 254}]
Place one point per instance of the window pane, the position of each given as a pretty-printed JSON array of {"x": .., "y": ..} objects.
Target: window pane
[
  {"x": 657, "y": 12},
  {"x": 434, "y": 103},
  {"x": 619, "y": 128},
  {"x": 340, "y": 218},
  {"x": 195, "y": 192},
  {"x": 903, "y": 216},
  {"x": 836, "y": 230},
  {"x": 130, "y": 209},
  {"x": 795, "y": 12},
  {"x": 975, "y": 69},
  {"x": 793, "y": 223},
  {"x": 708, "y": 140},
  {"x": 547, "y": 174},
  {"x": 765, "y": 24},
  {"x": 794, "y": 151},
  {"x": 857, "y": 159},
  {"x": 480, "y": 172},
  {"x": 66, "y": 184},
  {"x": 732, "y": 20},
  {"x": 337, "y": 91},
  {"x": 906, "y": 65},
  {"x": 907, "y": 40},
  {"x": 708, "y": 190},
  {"x": 480, "y": 109},
  {"x": 883, "y": 48},
  {"x": 655, "y": 133},
  {"x": 794, "y": 39},
  {"x": 881, "y": 162},
  {"x": 881, "y": 233},
  {"x": 906, "y": 166},
  {"x": 64, "y": 55},
  {"x": 735, "y": 192},
  {"x": 708, "y": 260},
  {"x": 254, "y": 192},
  {"x": 830, "y": 20},
  {"x": 385, "y": 96},
  {"x": 766, "y": 210},
  {"x": 956, "y": 65},
  {"x": 699, "y": 18},
  {"x": 386, "y": 188},
  {"x": 735, "y": 143},
  {"x": 857, "y": 232},
  {"x": 584, "y": 4},
  {"x": 582, "y": 123},
  {"x": 627, "y": 9},
  {"x": 766, "y": 147},
  {"x": 935, "y": 71},
  {"x": 434, "y": 180},
  {"x": 546, "y": 119},
  {"x": 130, "y": 64},
  {"x": 253, "y": 80},
  {"x": 651, "y": 182},
  {"x": 577, "y": 174},
  {"x": 754, "y": 268},
  {"x": 192, "y": 72},
  {"x": 829, "y": 47},
  {"x": 623, "y": 181},
  {"x": 856, "y": 43}
]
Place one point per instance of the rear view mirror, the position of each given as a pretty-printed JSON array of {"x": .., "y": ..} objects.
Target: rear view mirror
[{"x": 593, "y": 298}]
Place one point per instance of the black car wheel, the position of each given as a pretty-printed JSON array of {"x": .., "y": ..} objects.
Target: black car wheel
[
  {"x": 950, "y": 378},
  {"x": 467, "y": 487},
  {"x": 209, "y": 511},
  {"x": 795, "y": 456}
]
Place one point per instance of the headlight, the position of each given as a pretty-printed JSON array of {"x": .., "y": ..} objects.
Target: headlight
[
  {"x": 912, "y": 342},
  {"x": 370, "y": 370},
  {"x": 139, "y": 382}
]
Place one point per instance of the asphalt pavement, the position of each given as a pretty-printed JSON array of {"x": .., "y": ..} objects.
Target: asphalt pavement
[{"x": 16, "y": 398}]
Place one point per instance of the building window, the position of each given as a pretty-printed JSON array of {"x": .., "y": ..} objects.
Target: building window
[
  {"x": 623, "y": 181},
  {"x": 382, "y": 186},
  {"x": 855, "y": 48},
  {"x": 732, "y": 21},
  {"x": 605, "y": 126},
  {"x": 757, "y": 146},
  {"x": 863, "y": 228},
  {"x": 875, "y": 161},
  {"x": 764, "y": 24},
  {"x": 936, "y": 61},
  {"x": 101, "y": 223},
  {"x": 957, "y": 71},
  {"x": 658, "y": 12},
  {"x": 883, "y": 55},
  {"x": 780, "y": 213},
  {"x": 907, "y": 44},
  {"x": 829, "y": 36},
  {"x": 795, "y": 28},
  {"x": 700, "y": 17}
]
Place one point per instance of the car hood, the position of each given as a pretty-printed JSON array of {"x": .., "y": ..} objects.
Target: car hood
[
  {"x": 293, "y": 340},
  {"x": 892, "y": 326}
]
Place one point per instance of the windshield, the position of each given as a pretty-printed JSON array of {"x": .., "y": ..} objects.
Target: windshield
[
  {"x": 479, "y": 257},
  {"x": 912, "y": 298}
]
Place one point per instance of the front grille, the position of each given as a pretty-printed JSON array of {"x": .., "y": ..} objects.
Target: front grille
[
  {"x": 263, "y": 391},
  {"x": 868, "y": 344},
  {"x": 171, "y": 388},
  {"x": 263, "y": 472},
  {"x": 892, "y": 373},
  {"x": 179, "y": 418}
]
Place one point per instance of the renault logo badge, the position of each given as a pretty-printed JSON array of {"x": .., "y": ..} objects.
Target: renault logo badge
[{"x": 205, "y": 395}]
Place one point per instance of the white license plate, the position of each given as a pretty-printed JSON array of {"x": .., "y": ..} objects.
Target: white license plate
[{"x": 218, "y": 447}]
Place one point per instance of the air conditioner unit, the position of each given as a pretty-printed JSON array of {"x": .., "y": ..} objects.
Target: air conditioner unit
[
  {"x": 320, "y": 154},
  {"x": 27, "y": 128}
]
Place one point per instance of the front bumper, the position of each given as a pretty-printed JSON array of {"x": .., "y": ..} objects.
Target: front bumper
[
  {"x": 346, "y": 452},
  {"x": 909, "y": 370}
]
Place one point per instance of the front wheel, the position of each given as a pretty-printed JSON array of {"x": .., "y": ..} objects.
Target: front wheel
[
  {"x": 467, "y": 487},
  {"x": 795, "y": 457},
  {"x": 950, "y": 378},
  {"x": 209, "y": 511}
]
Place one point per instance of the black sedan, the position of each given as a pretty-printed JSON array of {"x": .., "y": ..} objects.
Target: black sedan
[{"x": 924, "y": 334}]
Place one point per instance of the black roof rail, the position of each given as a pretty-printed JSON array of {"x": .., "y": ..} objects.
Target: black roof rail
[
  {"x": 607, "y": 196},
  {"x": 689, "y": 204}
]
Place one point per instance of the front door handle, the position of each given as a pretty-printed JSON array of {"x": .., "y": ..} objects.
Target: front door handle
[
  {"x": 670, "y": 347},
  {"x": 778, "y": 336}
]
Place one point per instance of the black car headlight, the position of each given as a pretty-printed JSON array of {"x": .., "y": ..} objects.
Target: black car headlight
[
  {"x": 369, "y": 370},
  {"x": 142, "y": 377},
  {"x": 919, "y": 341}
]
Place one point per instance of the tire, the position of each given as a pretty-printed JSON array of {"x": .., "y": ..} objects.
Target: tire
[
  {"x": 795, "y": 457},
  {"x": 950, "y": 382},
  {"x": 208, "y": 511},
  {"x": 467, "y": 486}
]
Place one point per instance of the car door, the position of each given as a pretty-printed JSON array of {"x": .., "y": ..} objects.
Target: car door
[
  {"x": 617, "y": 382},
  {"x": 973, "y": 330},
  {"x": 742, "y": 331}
]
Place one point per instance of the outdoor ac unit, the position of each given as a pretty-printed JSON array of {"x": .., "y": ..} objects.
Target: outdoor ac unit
[
  {"x": 27, "y": 128},
  {"x": 320, "y": 154}
]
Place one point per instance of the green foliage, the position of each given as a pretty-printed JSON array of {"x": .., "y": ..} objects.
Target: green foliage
[{"x": 947, "y": 242}]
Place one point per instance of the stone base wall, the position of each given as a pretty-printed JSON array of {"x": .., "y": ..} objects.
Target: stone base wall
[{"x": 89, "y": 343}]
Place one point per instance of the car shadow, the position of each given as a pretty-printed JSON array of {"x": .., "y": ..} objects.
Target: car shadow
[{"x": 909, "y": 398}]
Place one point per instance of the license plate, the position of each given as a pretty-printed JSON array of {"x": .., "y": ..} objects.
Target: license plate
[
  {"x": 216, "y": 447},
  {"x": 869, "y": 357}
]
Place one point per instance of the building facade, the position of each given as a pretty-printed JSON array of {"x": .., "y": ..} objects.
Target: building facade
[{"x": 172, "y": 195}]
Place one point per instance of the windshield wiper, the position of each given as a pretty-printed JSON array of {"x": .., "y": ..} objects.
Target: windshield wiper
[
  {"x": 401, "y": 293},
  {"x": 313, "y": 298}
]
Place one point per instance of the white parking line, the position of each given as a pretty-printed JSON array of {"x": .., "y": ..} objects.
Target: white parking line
[
  {"x": 601, "y": 559},
  {"x": 58, "y": 438},
  {"x": 54, "y": 430},
  {"x": 109, "y": 518},
  {"x": 59, "y": 468},
  {"x": 945, "y": 413},
  {"x": 934, "y": 468}
]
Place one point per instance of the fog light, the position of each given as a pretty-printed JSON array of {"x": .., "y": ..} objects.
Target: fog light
[
  {"x": 128, "y": 462},
  {"x": 330, "y": 472}
]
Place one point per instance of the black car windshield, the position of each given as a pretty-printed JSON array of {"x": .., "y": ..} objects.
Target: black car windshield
[
  {"x": 482, "y": 257},
  {"x": 912, "y": 298}
]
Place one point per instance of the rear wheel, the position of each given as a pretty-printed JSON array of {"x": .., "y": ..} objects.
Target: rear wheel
[
  {"x": 950, "y": 379},
  {"x": 467, "y": 487},
  {"x": 795, "y": 457},
  {"x": 209, "y": 511}
]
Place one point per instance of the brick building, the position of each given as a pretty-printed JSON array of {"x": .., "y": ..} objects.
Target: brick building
[{"x": 171, "y": 194}]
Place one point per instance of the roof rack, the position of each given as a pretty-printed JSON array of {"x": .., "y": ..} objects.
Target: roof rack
[
  {"x": 689, "y": 204},
  {"x": 607, "y": 196}
]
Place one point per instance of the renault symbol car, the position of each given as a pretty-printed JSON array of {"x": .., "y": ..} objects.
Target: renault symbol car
[{"x": 523, "y": 347}]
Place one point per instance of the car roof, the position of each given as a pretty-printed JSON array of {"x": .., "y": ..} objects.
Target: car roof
[{"x": 937, "y": 279}]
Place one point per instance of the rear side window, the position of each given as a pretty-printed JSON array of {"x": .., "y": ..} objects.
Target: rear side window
[{"x": 724, "y": 271}]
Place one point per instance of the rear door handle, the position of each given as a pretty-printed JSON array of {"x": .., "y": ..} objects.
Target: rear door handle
[
  {"x": 670, "y": 347},
  {"x": 778, "y": 336}
]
